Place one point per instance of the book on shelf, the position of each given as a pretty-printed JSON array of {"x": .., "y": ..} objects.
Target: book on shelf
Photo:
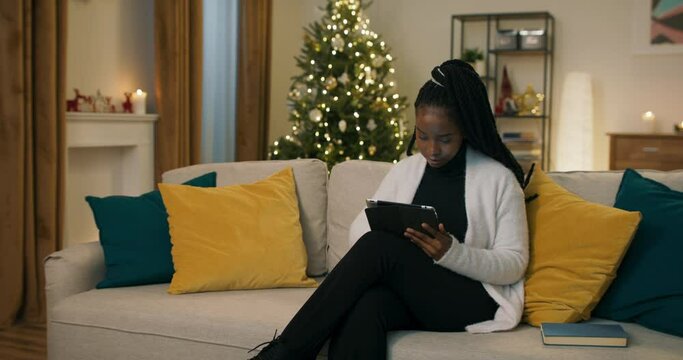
[
  {"x": 582, "y": 334},
  {"x": 518, "y": 135},
  {"x": 522, "y": 145},
  {"x": 507, "y": 141},
  {"x": 527, "y": 159},
  {"x": 526, "y": 153}
]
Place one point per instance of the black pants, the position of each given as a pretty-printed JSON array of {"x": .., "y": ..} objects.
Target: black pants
[{"x": 383, "y": 283}]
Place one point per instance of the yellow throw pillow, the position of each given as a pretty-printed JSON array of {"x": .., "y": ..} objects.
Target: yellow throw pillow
[
  {"x": 575, "y": 249},
  {"x": 236, "y": 237}
]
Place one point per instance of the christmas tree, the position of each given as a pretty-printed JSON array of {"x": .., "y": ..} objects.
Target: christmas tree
[{"x": 344, "y": 104}]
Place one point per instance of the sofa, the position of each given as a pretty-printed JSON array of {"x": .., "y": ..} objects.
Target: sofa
[{"x": 145, "y": 322}]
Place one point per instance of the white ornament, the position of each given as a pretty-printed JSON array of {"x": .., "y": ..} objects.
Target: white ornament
[
  {"x": 370, "y": 76},
  {"x": 373, "y": 74},
  {"x": 337, "y": 43},
  {"x": 342, "y": 125},
  {"x": 372, "y": 125},
  {"x": 344, "y": 78},
  {"x": 315, "y": 115},
  {"x": 378, "y": 61}
]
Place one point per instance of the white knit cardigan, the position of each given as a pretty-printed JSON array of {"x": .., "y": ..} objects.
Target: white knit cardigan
[{"x": 495, "y": 250}]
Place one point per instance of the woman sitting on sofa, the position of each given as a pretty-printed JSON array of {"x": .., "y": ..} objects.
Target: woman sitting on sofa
[{"x": 465, "y": 275}]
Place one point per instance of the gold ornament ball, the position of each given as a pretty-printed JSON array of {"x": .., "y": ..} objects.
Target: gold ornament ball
[
  {"x": 315, "y": 115},
  {"x": 378, "y": 105},
  {"x": 330, "y": 83},
  {"x": 372, "y": 149}
]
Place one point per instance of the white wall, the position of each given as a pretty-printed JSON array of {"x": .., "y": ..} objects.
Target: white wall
[
  {"x": 289, "y": 19},
  {"x": 110, "y": 46},
  {"x": 592, "y": 36}
]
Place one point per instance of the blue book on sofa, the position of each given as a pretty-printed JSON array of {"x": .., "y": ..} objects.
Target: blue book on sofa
[{"x": 582, "y": 334}]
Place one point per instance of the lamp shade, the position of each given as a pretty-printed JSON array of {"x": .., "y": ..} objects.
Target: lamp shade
[{"x": 575, "y": 124}]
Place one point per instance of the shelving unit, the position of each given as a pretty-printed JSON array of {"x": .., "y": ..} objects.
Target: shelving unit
[{"x": 480, "y": 30}]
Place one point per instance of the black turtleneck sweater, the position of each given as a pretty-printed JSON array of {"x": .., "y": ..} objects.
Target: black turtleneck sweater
[{"x": 444, "y": 189}]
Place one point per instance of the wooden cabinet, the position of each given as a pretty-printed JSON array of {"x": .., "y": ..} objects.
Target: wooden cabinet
[{"x": 646, "y": 151}]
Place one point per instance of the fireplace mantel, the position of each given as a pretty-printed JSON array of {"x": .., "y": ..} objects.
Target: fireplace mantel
[{"x": 107, "y": 154}]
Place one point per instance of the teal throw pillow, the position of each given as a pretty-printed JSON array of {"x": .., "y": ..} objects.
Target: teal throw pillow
[
  {"x": 648, "y": 289},
  {"x": 135, "y": 238}
]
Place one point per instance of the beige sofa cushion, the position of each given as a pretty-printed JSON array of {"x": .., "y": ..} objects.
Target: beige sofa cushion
[
  {"x": 239, "y": 319},
  {"x": 347, "y": 194},
  {"x": 144, "y": 322},
  {"x": 351, "y": 182},
  {"x": 524, "y": 343},
  {"x": 310, "y": 176},
  {"x": 602, "y": 186}
]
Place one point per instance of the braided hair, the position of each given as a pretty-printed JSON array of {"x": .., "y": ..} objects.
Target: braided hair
[{"x": 456, "y": 87}]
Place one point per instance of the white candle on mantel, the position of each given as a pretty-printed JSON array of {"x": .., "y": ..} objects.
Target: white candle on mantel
[
  {"x": 139, "y": 101},
  {"x": 649, "y": 118}
]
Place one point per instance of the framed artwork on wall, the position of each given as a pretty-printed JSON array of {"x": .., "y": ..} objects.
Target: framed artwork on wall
[{"x": 657, "y": 26}]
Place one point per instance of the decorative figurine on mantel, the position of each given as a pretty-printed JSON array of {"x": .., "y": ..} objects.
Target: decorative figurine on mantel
[
  {"x": 86, "y": 105},
  {"x": 110, "y": 107},
  {"x": 99, "y": 103},
  {"x": 74, "y": 105},
  {"x": 127, "y": 105}
]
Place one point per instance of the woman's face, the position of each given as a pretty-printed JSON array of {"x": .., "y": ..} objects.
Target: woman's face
[{"x": 437, "y": 137}]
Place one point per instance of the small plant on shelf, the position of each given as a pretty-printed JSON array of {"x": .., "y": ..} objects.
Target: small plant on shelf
[
  {"x": 472, "y": 55},
  {"x": 475, "y": 57}
]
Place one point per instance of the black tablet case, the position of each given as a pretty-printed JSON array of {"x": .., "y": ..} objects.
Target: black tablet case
[{"x": 396, "y": 218}]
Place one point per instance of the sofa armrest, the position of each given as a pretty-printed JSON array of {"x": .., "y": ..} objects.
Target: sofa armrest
[{"x": 73, "y": 270}]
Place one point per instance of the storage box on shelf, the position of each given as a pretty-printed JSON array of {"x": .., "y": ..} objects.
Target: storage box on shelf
[
  {"x": 506, "y": 39},
  {"x": 532, "y": 39}
]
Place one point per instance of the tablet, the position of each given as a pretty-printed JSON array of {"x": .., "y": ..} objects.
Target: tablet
[{"x": 395, "y": 217}]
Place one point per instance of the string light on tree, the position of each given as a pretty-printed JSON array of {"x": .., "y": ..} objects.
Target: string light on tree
[{"x": 344, "y": 104}]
